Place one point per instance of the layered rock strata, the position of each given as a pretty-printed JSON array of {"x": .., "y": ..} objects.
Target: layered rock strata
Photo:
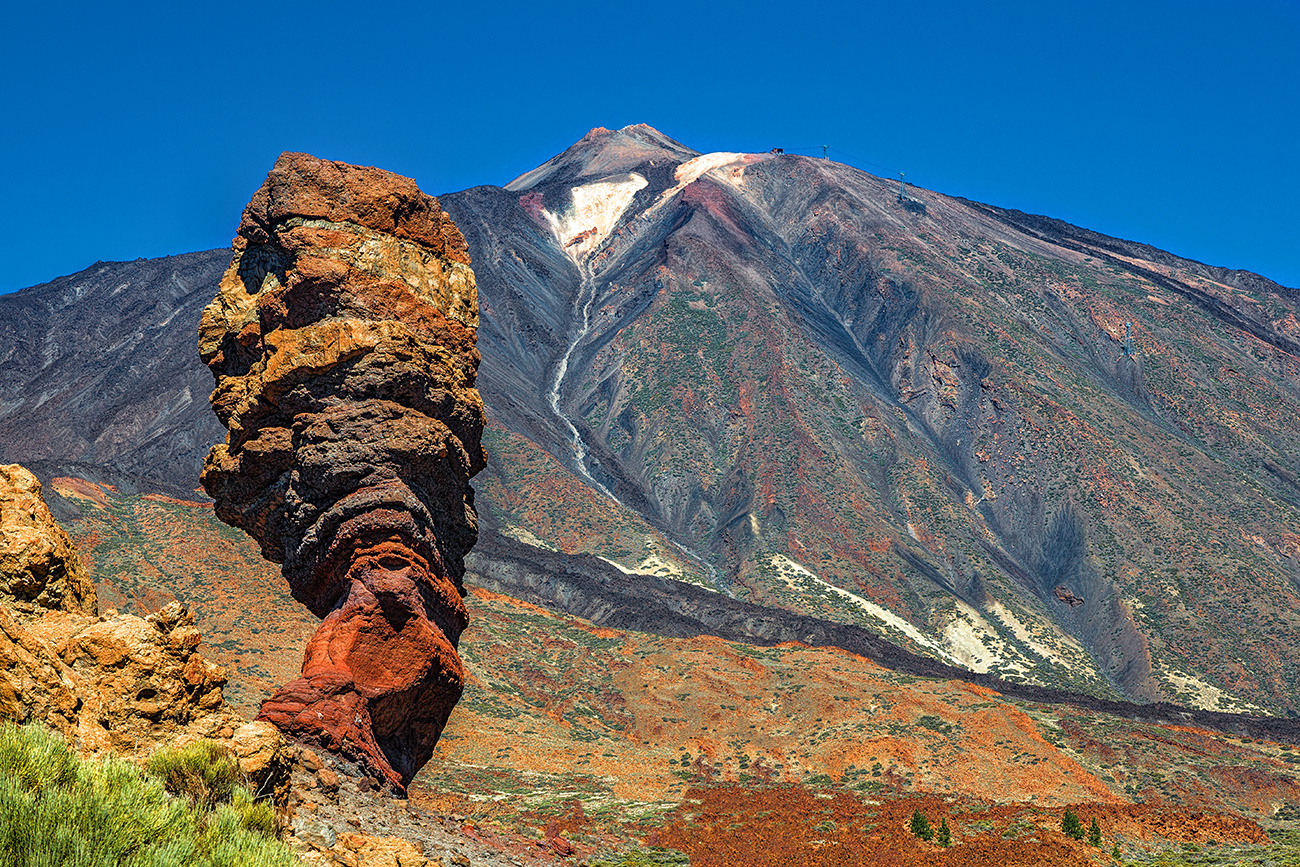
[
  {"x": 342, "y": 340},
  {"x": 116, "y": 683}
]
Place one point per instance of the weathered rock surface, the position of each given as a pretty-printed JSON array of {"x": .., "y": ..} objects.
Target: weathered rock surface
[
  {"x": 121, "y": 683},
  {"x": 39, "y": 568},
  {"x": 342, "y": 339}
]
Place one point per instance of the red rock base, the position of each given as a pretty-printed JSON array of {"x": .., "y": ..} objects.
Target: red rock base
[{"x": 380, "y": 675}]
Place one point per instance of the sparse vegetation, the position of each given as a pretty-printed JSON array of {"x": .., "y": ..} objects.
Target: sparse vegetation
[
  {"x": 58, "y": 809},
  {"x": 652, "y": 857}
]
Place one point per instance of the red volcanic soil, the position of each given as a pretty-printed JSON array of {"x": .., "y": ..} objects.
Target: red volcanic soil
[
  {"x": 721, "y": 749},
  {"x": 737, "y": 826}
]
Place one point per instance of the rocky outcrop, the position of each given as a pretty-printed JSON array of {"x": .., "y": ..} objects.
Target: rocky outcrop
[
  {"x": 342, "y": 339},
  {"x": 119, "y": 683},
  {"x": 39, "y": 569}
]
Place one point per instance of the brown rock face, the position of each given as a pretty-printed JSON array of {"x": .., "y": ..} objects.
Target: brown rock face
[
  {"x": 121, "y": 683},
  {"x": 342, "y": 340},
  {"x": 39, "y": 569}
]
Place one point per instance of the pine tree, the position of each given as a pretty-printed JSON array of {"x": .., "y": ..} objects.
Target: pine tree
[
  {"x": 1071, "y": 825},
  {"x": 945, "y": 835},
  {"x": 921, "y": 826},
  {"x": 1094, "y": 832}
]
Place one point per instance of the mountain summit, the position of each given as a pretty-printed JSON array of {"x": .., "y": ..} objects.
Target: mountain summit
[{"x": 602, "y": 152}]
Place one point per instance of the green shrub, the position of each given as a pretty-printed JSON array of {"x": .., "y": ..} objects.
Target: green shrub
[
  {"x": 1094, "y": 832},
  {"x": 203, "y": 771},
  {"x": 1071, "y": 825},
  {"x": 944, "y": 838},
  {"x": 257, "y": 817},
  {"x": 56, "y": 809}
]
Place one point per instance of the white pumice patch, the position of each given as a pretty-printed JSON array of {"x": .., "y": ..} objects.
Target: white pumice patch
[{"x": 596, "y": 210}]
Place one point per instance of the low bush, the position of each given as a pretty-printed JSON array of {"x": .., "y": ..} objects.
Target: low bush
[
  {"x": 202, "y": 771},
  {"x": 920, "y": 826},
  {"x": 56, "y": 809},
  {"x": 1071, "y": 825}
]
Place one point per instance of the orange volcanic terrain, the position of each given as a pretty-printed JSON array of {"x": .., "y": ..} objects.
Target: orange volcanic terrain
[
  {"x": 733, "y": 753},
  {"x": 146, "y": 551},
  {"x": 732, "y": 826}
]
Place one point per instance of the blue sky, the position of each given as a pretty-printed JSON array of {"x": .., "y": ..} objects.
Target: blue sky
[{"x": 142, "y": 129}]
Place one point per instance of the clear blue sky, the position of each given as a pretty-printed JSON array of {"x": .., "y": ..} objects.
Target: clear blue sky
[{"x": 141, "y": 129}]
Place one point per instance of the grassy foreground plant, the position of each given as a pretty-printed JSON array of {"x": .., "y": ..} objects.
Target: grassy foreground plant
[
  {"x": 56, "y": 809},
  {"x": 202, "y": 771}
]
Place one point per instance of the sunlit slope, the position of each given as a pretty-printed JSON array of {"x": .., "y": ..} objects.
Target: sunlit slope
[
  {"x": 999, "y": 440},
  {"x": 556, "y": 707},
  {"x": 1004, "y": 442}
]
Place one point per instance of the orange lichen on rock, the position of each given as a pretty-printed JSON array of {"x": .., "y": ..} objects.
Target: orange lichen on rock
[{"x": 342, "y": 340}]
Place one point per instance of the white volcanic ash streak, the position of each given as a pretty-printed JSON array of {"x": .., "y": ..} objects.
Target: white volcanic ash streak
[{"x": 596, "y": 210}]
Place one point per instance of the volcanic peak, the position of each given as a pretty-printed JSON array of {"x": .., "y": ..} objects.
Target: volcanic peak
[
  {"x": 601, "y": 153},
  {"x": 585, "y": 193}
]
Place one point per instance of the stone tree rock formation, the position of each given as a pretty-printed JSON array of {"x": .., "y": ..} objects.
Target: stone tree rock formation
[{"x": 342, "y": 339}]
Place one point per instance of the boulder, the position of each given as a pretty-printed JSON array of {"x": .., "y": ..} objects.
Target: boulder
[
  {"x": 367, "y": 851},
  {"x": 39, "y": 567}
]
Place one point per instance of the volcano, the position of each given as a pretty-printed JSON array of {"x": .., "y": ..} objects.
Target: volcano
[{"x": 991, "y": 439}]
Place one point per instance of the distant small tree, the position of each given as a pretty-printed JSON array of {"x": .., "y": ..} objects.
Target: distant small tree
[
  {"x": 1115, "y": 853},
  {"x": 945, "y": 836},
  {"x": 921, "y": 826},
  {"x": 1071, "y": 825},
  {"x": 1094, "y": 832}
]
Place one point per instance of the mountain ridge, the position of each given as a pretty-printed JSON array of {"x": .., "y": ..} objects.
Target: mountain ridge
[{"x": 805, "y": 225}]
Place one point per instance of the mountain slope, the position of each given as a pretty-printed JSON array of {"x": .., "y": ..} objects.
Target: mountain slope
[
  {"x": 998, "y": 440},
  {"x": 557, "y": 706},
  {"x": 916, "y": 413},
  {"x": 98, "y": 372}
]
